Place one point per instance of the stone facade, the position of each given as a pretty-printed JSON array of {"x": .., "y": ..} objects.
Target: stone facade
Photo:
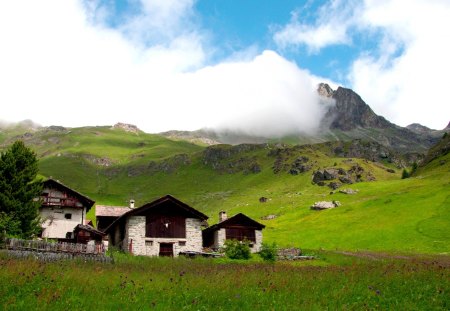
[
  {"x": 146, "y": 246},
  {"x": 57, "y": 224},
  {"x": 220, "y": 237},
  {"x": 258, "y": 241}
]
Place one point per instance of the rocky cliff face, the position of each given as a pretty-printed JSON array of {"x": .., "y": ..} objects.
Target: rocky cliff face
[
  {"x": 351, "y": 118},
  {"x": 350, "y": 111}
]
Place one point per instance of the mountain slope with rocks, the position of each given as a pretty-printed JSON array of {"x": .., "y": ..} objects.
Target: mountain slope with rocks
[{"x": 347, "y": 118}]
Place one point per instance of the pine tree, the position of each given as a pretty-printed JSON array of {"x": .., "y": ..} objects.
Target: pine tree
[{"x": 19, "y": 211}]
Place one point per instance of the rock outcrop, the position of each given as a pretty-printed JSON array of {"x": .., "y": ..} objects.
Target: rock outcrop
[
  {"x": 126, "y": 127},
  {"x": 321, "y": 205},
  {"x": 338, "y": 176}
]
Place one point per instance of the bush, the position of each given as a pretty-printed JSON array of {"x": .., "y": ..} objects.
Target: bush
[
  {"x": 235, "y": 249},
  {"x": 268, "y": 252},
  {"x": 405, "y": 174}
]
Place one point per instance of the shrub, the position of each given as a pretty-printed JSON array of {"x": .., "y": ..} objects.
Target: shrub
[
  {"x": 268, "y": 252},
  {"x": 405, "y": 174},
  {"x": 235, "y": 249}
]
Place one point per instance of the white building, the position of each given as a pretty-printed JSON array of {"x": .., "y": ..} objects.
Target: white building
[{"x": 62, "y": 210}]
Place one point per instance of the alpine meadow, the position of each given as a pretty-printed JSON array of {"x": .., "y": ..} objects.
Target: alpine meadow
[{"x": 224, "y": 155}]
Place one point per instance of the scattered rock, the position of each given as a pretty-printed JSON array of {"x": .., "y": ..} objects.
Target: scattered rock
[
  {"x": 334, "y": 185},
  {"x": 349, "y": 191},
  {"x": 321, "y": 205},
  {"x": 345, "y": 180},
  {"x": 269, "y": 217},
  {"x": 390, "y": 170},
  {"x": 263, "y": 200}
]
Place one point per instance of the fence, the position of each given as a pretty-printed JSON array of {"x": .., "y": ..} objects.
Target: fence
[
  {"x": 60, "y": 247},
  {"x": 48, "y": 251}
]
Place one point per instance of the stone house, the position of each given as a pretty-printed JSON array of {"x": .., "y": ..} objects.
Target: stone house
[
  {"x": 239, "y": 227},
  {"x": 164, "y": 227},
  {"x": 62, "y": 209}
]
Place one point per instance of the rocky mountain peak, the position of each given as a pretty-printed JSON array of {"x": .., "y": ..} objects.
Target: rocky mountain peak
[
  {"x": 418, "y": 128},
  {"x": 350, "y": 111},
  {"x": 325, "y": 90},
  {"x": 447, "y": 127}
]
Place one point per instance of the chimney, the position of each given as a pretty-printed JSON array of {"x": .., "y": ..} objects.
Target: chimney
[
  {"x": 131, "y": 203},
  {"x": 222, "y": 216}
]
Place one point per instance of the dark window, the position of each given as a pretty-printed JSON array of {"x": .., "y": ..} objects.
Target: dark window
[
  {"x": 68, "y": 216},
  {"x": 68, "y": 235},
  {"x": 182, "y": 243},
  {"x": 161, "y": 226},
  {"x": 240, "y": 234}
]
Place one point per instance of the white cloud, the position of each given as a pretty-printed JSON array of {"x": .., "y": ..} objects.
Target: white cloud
[
  {"x": 60, "y": 64},
  {"x": 405, "y": 74},
  {"x": 331, "y": 27},
  {"x": 409, "y": 86}
]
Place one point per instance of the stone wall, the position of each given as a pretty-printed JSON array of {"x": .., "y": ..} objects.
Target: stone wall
[
  {"x": 146, "y": 246},
  {"x": 135, "y": 235},
  {"x": 258, "y": 241},
  {"x": 220, "y": 237}
]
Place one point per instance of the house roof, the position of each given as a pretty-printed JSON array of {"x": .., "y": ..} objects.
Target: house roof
[
  {"x": 89, "y": 229},
  {"x": 237, "y": 220},
  {"x": 110, "y": 211},
  {"x": 88, "y": 202},
  {"x": 156, "y": 203}
]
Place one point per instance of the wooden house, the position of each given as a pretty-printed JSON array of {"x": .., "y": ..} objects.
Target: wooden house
[
  {"x": 164, "y": 227},
  {"x": 83, "y": 234},
  {"x": 62, "y": 209},
  {"x": 239, "y": 227}
]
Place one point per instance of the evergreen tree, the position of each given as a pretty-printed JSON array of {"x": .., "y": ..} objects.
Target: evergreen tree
[{"x": 19, "y": 211}]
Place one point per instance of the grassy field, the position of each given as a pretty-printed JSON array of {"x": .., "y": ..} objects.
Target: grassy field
[
  {"x": 333, "y": 281},
  {"x": 389, "y": 214}
]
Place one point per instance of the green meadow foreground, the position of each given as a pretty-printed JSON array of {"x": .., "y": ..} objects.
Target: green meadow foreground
[{"x": 368, "y": 281}]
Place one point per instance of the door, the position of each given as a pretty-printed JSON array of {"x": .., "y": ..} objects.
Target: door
[{"x": 166, "y": 249}]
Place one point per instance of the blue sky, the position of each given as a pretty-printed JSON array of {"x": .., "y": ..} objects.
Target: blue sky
[{"x": 244, "y": 65}]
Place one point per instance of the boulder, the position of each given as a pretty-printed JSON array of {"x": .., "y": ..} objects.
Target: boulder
[
  {"x": 349, "y": 191},
  {"x": 321, "y": 205},
  {"x": 330, "y": 173},
  {"x": 318, "y": 177},
  {"x": 269, "y": 217},
  {"x": 334, "y": 185}
]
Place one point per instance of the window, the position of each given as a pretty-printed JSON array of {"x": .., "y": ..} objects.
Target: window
[
  {"x": 68, "y": 235},
  {"x": 240, "y": 234},
  {"x": 162, "y": 226},
  {"x": 182, "y": 243},
  {"x": 68, "y": 216},
  {"x": 148, "y": 243}
]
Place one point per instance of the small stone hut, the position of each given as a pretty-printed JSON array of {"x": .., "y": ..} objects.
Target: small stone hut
[
  {"x": 239, "y": 227},
  {"x": 164, "y": 227}
]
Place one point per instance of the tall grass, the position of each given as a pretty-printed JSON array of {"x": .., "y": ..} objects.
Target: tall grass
[{"x": 140, "y": 283}]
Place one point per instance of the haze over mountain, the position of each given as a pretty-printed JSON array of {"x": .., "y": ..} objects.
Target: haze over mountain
[{"x": 346, "y": 117}]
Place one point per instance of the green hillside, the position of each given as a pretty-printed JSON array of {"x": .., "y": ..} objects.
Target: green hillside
[{"x": 388, "y": 213}]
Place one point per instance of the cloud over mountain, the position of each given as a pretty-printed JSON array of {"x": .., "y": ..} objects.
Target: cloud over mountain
[{"x": 66, "y": 63}]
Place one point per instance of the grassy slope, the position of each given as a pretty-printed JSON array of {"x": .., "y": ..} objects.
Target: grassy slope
[{"x": 410, "y": 215}]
